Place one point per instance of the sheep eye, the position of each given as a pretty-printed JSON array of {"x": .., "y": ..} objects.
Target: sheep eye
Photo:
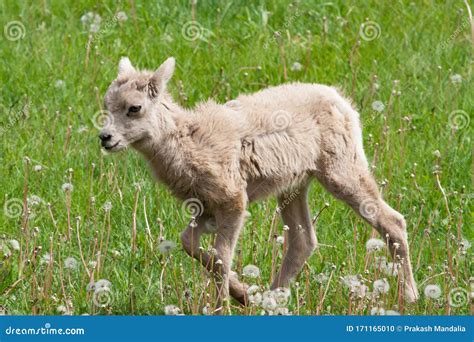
[{"x": 134, "y": 109}]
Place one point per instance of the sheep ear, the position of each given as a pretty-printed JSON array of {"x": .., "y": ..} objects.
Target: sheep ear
[
  {"x": 125, "y": 66},
  {"x": 161, "y": 77}
]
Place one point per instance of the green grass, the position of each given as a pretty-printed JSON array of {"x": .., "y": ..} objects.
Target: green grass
[{"x": 418, "y": 45}]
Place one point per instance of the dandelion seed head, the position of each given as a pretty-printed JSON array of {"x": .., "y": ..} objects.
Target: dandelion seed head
[
  {"x": 70, "y": 263},
  {"x": 63, "y": 310},
  {"x": 46, "y": 259},
  {"x": 59, "y": 84},
  {"x": 464, "y": 245},
  {"x": 34, "y": 201},
  {"x": 67, "y": 187},
  {"x": 14, "y": 244},
  {"x": 392, "y": 313},
  {"x": 255, "y": 299},
  {"x": 381, "y": 286},
  {"x": 351, "y": 281},
  {"x": 296, "y": 66},
  {"x": 107, "y": 206},
  {"x": 321, "y": 278},
  {"x": 253, "y": 289},
  {"x": 282, "y": 312},
  {"x": 378, "y": 106},
  {"x": 172, "y": 310},
  {"x": 269, "y": 303},
  {"x": 91, "y": 21},
  {"x": 121, "y": 16},
  {"x": 166, "y": 246},
  {"x": 391, "y": 269},
  {"x": 282, "y": 295},
  {"x": 432, "y": 291},
  {"x": 456, "y": 78},
  {"x": 251, "y": 271},
  {"x": 373, "y": 245},
  {"x": 377, "y": 311}
]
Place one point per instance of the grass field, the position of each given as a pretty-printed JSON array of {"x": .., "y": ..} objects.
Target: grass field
[{"x": 69, "y": 210}]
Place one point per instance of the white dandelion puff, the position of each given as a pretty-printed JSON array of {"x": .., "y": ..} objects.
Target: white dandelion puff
[
  {"x": 281, "y": 312},
  {"x": 63, "y": 310},
  {"x": 464, "y": 245},
  {"x": 269, "y": 303},
  {"x": 251, "y": 271},
  {"x": 166, "y": 246},
  {"x": 377, "y": 311},
  {"x": 59, "y": 84},
  {"x": 70, "y": 263},
  {"x": 107, "y": 206},
  {"x": 91, "y": 21},
  {"x": 14, "y": 244},
  {"x": 172, "y": 310},
  {"x": 351, "y": 281},
  {"x": 390, "y": 269},
  {"x": 255, "y": 299},
  {"x": 121, "y": 16},
  {"x": 432, "y": 291},
  {"x": 34, "y": 201},
  {"x": 378, "y": 106},
  {"x": 296, "y": 66},
  {"x": 253, "y": 289},
  {"x": 46, "y": 259},
  {"x": 373, "y": 245},
  {"x": 456, "y": 79},
  {"x": 321, "y": 278},
  {"x": 282, "y": 296},
  {"x": 381, "y": 286},
  {"x": 392, "y": 313},
  {"x": 67, "y": 187}
]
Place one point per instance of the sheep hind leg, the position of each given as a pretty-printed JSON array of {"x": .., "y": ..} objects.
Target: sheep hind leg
[
  {"x": 301, "y": 236},
  {"x": 353, "y": 184}
]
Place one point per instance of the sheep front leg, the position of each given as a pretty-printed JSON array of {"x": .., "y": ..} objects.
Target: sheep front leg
[
  {"x": 229, "y": 225},
  {"x": 190, "y": 239}
]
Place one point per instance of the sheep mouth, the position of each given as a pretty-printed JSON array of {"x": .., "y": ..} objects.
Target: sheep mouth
[{"x": 108, "y": 148}]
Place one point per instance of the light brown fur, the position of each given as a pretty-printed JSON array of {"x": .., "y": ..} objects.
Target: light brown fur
[{"x": 273, "y": 142}]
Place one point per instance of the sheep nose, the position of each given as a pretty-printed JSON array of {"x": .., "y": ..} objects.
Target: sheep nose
[{"x": 104, "y": 137}]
